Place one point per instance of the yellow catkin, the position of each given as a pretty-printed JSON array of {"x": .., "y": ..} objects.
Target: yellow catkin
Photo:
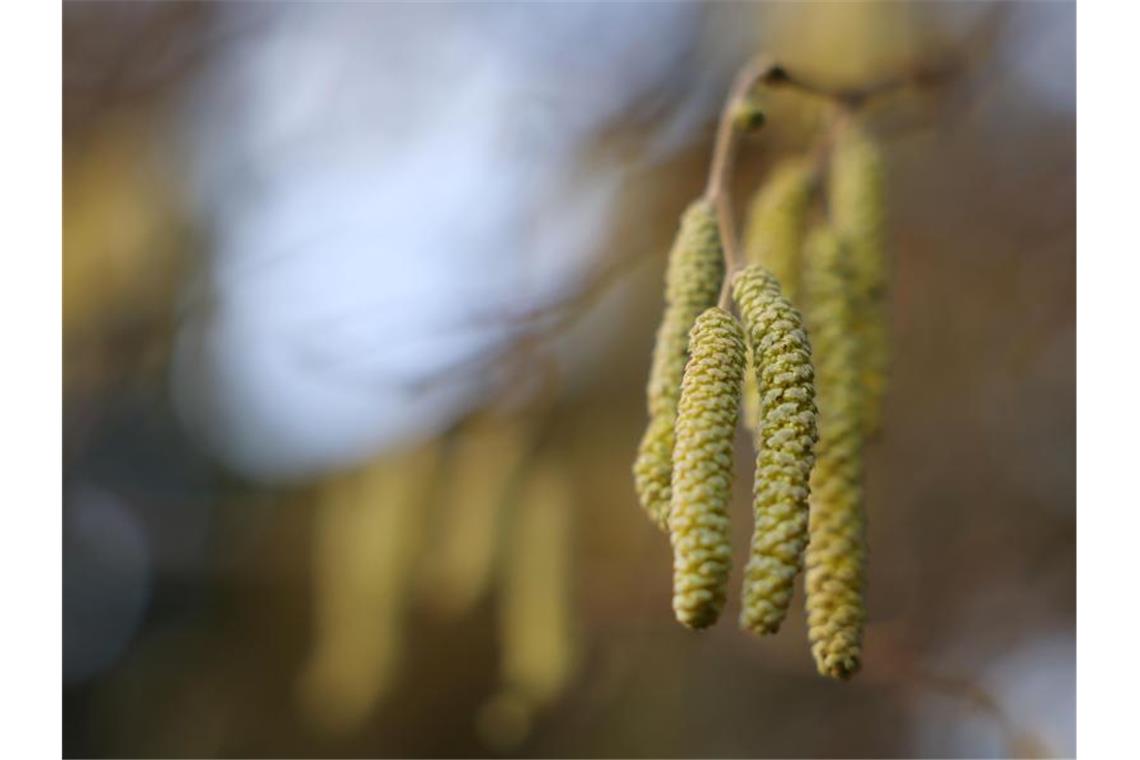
[
  {"x": 835, "y": 579},
  {"x": 692, "y": 284},
  {"x": 535, "y": 606},
  {"x": 484, "y": 464},
  {"x": 702, "y": 468},
  {"x": 774, "y": 230},
  {"x": 857, "y": 197},
  {"x": 773, "y": 239},
  {"x": 785, "y": 440},
  {"x": 369, "y": 533}
]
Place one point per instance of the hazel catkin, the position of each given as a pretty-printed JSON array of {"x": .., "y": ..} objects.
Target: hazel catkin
[
  {"x": 773, "y": 239},
  {"x": 857, "y": 195},
  {"x": 774, "y": 230},
  {"x": 692, "y": 284},
  {"x": 835, "y": 579},
  {"x": 535, "y": 604},
  {"x": 702, "y": 467},
  {"x": 785, "y": 441}
]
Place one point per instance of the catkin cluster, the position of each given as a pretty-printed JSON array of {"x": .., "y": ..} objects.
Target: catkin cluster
[
  {"x": 692, "y": 283},
  {"x": 835, "y": 577},
  {"x": 785, "y": 441},
  {"x": 858, "y": 213},
  {"x": 702, "y": 468},
  {"x": 812, "y": 396}
]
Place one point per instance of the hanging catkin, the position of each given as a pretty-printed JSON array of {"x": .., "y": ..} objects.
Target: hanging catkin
[
  {"x": 774, "y": 229},
  {"x": 858, "y": 212},
  {"x": 836, "y": 552},
  {"x": 369, "y": 535},
  {"x": 484, "y": 462},
  {"x": 536, "y": 628},
  {"x": 692, "y": 284},
  {"x": 773, "y": 239},
  {"x": 785, "y": 440},
  {"x": 702, "y": 461},
  {"x": 536, "y": 611}
]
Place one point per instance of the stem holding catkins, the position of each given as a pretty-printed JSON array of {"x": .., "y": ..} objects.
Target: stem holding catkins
[
  {"x": 737, "y": 117},
  {"x": 728, "y": 134}
]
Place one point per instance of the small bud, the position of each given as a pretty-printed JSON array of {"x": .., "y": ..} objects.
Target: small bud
[{"x": 748, "y": 116}]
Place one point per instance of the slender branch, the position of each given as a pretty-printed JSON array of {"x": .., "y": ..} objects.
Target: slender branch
[
  {"x": 718, "y": 191},
  {"x": 763, "y": 70},
  {"x": 855, "y": 97}
]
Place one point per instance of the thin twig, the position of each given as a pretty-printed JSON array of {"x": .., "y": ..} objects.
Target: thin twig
[
  {"x": 718, "y": 191},
  {"x": 764, "y": 70},
  {"x": 855, "y": 97}
]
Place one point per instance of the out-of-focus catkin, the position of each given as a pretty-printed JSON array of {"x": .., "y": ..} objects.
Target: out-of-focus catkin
[
  {"x": 836, "y": 553},
  {"x": 536, "y": 626},
  {"x": 785, "y": 440},
  {"x": 371, "y": 531},
  {"x": 775, "y": 225},
  {"x": 857, "y": 197},
  {"x": 773, "y": 238},
  {"x": 702, "y": 467},
  {"x": 692, "y": 284},
  {"x": 536, "y": 610},
  {"x": 484, "y": 462}
]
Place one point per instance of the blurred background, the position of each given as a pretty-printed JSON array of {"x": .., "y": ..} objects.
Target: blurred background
[{"x": 358, "y": 307}]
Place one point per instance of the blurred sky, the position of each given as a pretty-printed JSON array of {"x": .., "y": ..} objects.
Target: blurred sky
[{"x": 377, "y": 197}]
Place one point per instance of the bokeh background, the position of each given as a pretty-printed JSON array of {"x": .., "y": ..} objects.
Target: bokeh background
[{"x": 358, "y": 308}]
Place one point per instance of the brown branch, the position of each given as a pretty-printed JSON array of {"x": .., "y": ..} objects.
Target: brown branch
[
  {"x": 763, "y": 70},
  {"x": 855, "y": 97},
  {"x": 718, "y": 191}
]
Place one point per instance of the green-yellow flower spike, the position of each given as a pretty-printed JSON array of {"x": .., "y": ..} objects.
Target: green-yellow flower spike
[
  {"x": 692, "y": 284},
  {"x": 836, "y": 551},
  {"x": 773, "y": 238},
  {"x": 785, "y": 440},
  {"x": 858, "y": 212},
  {"x": 775, "y": 225},
  {"x": 702, "y": 468}
]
